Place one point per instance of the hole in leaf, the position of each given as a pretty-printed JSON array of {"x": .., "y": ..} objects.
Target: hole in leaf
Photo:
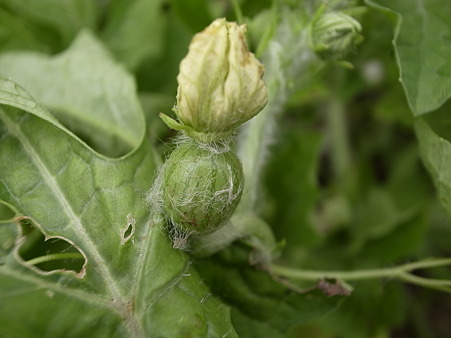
[
  {"x": 6, "y": 213},
  {"x": 129, "y": 230},
  {"x": 51, "y": 254}
]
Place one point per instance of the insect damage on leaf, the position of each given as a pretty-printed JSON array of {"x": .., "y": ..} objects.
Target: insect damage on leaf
[
  {"x": 48, "y": 254},
  {"x": 128, "y": 231}
]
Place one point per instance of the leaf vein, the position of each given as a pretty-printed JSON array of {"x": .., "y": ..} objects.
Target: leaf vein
[{"x": 54, "y": 186}]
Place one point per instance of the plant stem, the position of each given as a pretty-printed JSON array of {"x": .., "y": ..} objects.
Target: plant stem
[
  {"x": 402, "y": 272},
  {"x": 54, "y": 257},
  {"x": 345, "y": 275},
  {"x": 238, "y": 12},
  {"x": 269, "y": 30},
  {"x": 338, "y": 130},
  {"x": 253, "y": 151},
  {"x": 427, "y": 263},
  {"x": 340, "y": 153},
  {"x": 290, "y": 65}
]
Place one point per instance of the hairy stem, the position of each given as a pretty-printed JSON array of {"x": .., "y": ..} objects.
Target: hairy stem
[{"x": 290, "y": 65}]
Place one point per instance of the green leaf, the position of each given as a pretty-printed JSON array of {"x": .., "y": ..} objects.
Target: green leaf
[
  {"x": 436, "y": 154},
  {"x": 135, "y": 30},
  {"x": 6, "y": 213},
  {"x": 372, "y": 309},
  {"x": 293, "y": 203},
  {"x": 86, "y": 90},
  {"x": 422, "y": 43},
  {"x": 8, "y": 235},
  {"x": 261, "y": 307},
  {"x": 404, "y": 241},
  {"x": 377, "y": 215},
  {"x": 14, "y": 33},
  {"x": 47, "y": 24},
  {"x": 440, "y": 121},
  {"x": 408, "y": 194},
  {"x": 140, "y": 287}
]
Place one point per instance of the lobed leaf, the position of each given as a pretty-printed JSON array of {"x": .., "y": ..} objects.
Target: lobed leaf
[
  {"x": 86, "y": 90},
  {"x": 422, "y": 44},
  {"x": 137, "y": 287}
]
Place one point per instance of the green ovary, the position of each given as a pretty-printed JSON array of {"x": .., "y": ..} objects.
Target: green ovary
[{"x": 201, "y": 188}]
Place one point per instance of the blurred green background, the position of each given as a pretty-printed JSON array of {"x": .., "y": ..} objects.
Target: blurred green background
[{"x": 358, "y": 199}]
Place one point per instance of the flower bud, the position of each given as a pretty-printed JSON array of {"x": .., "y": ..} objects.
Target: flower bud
[
  {"x": 220, "y": 84},
  {"x": 201, "y": 188},
  {"x": 334, "y": 34}
]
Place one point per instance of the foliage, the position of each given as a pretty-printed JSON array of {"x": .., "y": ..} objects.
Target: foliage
[{"x": 347, "y": 181}]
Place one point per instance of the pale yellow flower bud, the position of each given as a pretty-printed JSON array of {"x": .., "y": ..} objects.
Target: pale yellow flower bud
[{"x": 220, "y": 83}]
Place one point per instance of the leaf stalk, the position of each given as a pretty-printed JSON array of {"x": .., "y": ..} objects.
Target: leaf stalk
[{"x": 401, "y": 272}]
